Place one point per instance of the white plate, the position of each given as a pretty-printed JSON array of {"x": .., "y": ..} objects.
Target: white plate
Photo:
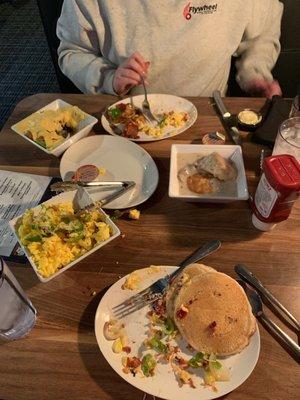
[
  {"x": 159, "y": 103},
  {"x": 163, "y": 384},
  {"x": 123, "y": 161},
  {"x": 232, "y": 152},
  {"x": 63, "y": 198},
  {"x": 84, "y": 128}
]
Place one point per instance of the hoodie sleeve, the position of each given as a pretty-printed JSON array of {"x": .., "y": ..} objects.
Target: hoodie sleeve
[
  {"x": 260, "y": 46},
  {"x": 79, "y": 54}
]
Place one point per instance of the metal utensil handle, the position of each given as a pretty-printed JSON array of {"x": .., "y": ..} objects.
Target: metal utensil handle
[
  {"x": 126, "y": 187},
  {"x": 197, "y": 255},
  {"x": 144, "y": 86},
  {"x": 290, "y": 343},
  {"x": 100, "y": 183},
  {"x": 244, "y": 273},
  {"x": 217, "y": 98},
  {"x": 235, "y": 135}
]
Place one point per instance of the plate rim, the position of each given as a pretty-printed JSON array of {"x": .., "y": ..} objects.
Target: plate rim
[
  {"x": 214, "y": 395},
  {"x": 151, "y": 139},
  {"x": 141, "y": 149}
]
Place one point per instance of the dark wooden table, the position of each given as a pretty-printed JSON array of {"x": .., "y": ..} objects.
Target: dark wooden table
[{"x": 60, "y": 358}]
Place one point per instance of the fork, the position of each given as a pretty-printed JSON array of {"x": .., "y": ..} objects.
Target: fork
[
  {"x": 146, "y": 106},
  {"x": 157, "y": 289}
]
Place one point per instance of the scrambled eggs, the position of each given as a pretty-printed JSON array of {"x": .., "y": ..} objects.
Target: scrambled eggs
[
  {"x": 55, "y": 236},
  {"x": 51, "y": 127},
  {"x": 171, "y": 119}
]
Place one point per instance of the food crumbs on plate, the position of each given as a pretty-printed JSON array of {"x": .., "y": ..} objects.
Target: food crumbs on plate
[
  {"x": 160, "y": 346},
  {"x": 134, "y": 214},
  {"x": 117, "y": 346},
  {"x": 102, "y": 171},
  {"x": 132, "y": 281},
  {"x": 153, "y": 269}
]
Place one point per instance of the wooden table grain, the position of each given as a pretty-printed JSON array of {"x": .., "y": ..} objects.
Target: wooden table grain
[{"x": 60, "y": 358}]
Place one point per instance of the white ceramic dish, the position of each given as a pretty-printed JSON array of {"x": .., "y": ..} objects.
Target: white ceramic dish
[
  {"x": 123, "y": 161},
  {"x": 62, "y": 198},
  {"x": 163, "y": 384},
  {"x": 233, "y": 152},
  {"x": 159, "y": 103},
  {"x": 84, "y": 128}
]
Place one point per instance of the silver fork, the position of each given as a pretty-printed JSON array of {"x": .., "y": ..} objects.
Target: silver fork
[
  {"x": 146, "y": 106},
  {"x": 157, "y": 289}
]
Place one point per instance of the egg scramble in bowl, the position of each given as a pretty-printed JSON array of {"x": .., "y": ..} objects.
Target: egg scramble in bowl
[
  {"x": 50, "y": 128},
  {"x": 55, "y": 236}
]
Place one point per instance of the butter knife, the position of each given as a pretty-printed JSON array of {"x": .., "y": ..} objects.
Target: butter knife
[
  {"x": 249, "y": 277},
  {"x": 83, "y": 201},
  {"x": 227, "y": 118},
  {"x": 258, "y": 312},
  {"x": 66, "y": 186}
]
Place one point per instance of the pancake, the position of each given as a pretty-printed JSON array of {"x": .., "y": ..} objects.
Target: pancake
[
  {"x": 213, "y": 314},
  {"x": 183, "y": 278}
]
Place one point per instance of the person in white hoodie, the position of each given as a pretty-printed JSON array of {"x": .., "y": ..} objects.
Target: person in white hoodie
[{"x": 180, "y": 47}]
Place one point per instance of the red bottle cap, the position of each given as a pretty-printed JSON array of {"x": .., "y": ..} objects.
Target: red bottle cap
[{"x": 284, "y": 172}]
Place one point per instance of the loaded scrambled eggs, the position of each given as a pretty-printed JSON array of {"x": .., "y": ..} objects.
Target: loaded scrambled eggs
[
  {"x": 51, "y": 127},
  {"x": 134, "y": 122},
  {"x": 55, "y": 235}
]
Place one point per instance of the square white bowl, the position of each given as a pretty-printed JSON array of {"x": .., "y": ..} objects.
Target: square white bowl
[
  {"x": 63, "y": 198},
  {"x": 84, "y": 128},
  {"x": 232, "y": 152}
]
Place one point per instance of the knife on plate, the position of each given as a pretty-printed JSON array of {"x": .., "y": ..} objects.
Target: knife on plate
[
  {"x": 227, "y": 118},
  {"x": 249, "y": 277},
  {"x": 258, "y": 312}
]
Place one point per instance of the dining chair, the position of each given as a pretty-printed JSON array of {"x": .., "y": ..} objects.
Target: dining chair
[
  {"x": 287, "y": 68},
  {"x": 50, "y": 11}
]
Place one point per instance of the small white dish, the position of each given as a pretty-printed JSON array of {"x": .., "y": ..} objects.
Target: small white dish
[
  {"x": 232, "y": 152},
  {"x": 63, "y": 198},
  {"x": 122, "y": 160},
  {"x": 84, "y": 128},
  {"x": 159, "y": 104},
  {"x": 164, "y": 384}
]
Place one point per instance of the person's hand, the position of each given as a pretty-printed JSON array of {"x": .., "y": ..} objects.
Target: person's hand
[
  {"x": 129, "y": 73},
  {"x": 263, "y": 88}
]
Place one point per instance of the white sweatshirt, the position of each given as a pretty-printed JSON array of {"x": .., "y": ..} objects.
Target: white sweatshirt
[{"x": 189, "y": 44}]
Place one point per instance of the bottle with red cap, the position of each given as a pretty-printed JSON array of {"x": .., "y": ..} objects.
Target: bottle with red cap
[{"x": 278, "y": 189}]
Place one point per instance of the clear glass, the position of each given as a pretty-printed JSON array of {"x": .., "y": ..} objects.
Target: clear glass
[
  {"x": 17, "y": 314},
  {"x": 295, "y": 109},
  {"x": 288, "y": 138}
]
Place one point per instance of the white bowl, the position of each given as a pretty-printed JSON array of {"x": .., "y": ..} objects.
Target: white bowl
[
  {"x": 63, "y": 198},
  {"x": 227, "y": 151},
  {"x": 84, "y": 128}
]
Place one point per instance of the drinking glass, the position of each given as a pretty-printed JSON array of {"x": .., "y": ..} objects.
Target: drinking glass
[
  {"x": 17, "y": 314},
  {"x": 295, "y": 109},
  {"x": 288, "y": 138}
]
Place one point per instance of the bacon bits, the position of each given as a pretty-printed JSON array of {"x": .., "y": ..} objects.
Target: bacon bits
[
  {"x": 182, "y": 312},
  {"x": 133, "y": 362},
  {"x": 212, "y": 326},
  {"x": 126, "y": 349}
]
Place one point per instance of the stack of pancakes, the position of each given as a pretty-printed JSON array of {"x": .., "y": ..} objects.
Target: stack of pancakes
[{"x": 211, "y": 311}]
